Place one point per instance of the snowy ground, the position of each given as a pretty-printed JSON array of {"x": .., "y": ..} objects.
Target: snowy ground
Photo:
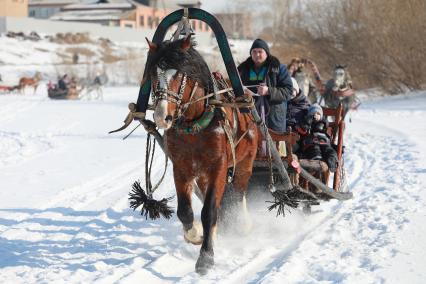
[{"x": 64, "y": 215}]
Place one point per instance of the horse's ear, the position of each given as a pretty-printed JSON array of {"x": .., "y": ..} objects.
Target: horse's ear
[
  {"x": 152, "y": 46},
  {"x": 186, "y": 43}
]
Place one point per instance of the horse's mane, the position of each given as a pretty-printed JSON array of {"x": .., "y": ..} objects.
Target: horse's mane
[
  {"x": 170, "y": 55},
  {"x": 340, "y": 66}
]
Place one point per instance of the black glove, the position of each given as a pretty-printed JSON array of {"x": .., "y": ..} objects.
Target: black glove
[
  {"x": 307, "y": 122},
  {"x": 319, "y": 126},
  {"x": 332, "y": 164}
]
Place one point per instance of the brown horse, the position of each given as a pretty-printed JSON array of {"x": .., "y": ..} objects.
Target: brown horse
[
  {"x": 197, "y": 140},
  {"x": 30, "y": 82}
]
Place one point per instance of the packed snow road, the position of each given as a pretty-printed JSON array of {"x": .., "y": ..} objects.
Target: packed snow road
[{"x": 64, "y": 214}]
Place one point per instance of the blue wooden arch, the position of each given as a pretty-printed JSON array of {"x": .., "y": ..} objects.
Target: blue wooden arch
[{"x": 209, "y": 19}]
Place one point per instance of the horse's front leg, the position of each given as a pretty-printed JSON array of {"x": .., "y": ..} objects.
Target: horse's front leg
[
  {"x": 241, "y": 180},
  {"x": 100, "y": 94},
  {"x": 192, "y": 231},
  {"x": 209, "y": 214},
  {"x": 35, "y": 89}
]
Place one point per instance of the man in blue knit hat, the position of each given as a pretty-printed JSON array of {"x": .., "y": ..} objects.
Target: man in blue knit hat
[{"x": 272, "y": 81}]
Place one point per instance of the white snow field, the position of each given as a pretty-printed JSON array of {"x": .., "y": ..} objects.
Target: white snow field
[{"x": 65, "y": 217}]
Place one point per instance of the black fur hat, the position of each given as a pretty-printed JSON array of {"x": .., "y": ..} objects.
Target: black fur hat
[{"x": 260, "y": 43}]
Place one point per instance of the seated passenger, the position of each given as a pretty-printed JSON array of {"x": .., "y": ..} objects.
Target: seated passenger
[
  {"x": 297, "y": 70},
  {"x": 97, "y": 80},
  {"x": 63, "y": 83},
  {"x": 315, "y": 142},
  {"x": 72, "y": 83},
  {"x": 297, "y": 106},
  {"x": 51, "y": 86}
]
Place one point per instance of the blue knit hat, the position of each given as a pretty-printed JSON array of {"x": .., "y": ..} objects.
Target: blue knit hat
[
  {"x": 314, "y": 109},
  {"x": 260, "y": 43}
]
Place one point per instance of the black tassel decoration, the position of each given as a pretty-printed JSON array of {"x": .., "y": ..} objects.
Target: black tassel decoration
[
  {"x": 282, "y": 200},
  {"x": 150, "y": 207}
]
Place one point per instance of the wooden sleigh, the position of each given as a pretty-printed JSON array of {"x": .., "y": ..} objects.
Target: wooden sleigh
[
  {"x": 311, "y": 176},
  {"x": 8, "y": 89},
  {"x": 59, "y": 94}
]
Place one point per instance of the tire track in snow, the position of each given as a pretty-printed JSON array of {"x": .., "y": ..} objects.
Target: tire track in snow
[
  {"x": 11, "y": 108},
  {"x": 103, "y": 189},
  {"x": 104, "y": 244},
  {"x": 18, "y": 147},
  {"x": 80, "y": 196}
]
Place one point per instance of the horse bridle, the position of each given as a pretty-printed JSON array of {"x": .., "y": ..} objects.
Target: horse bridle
[{"x": 162, "y": 92}]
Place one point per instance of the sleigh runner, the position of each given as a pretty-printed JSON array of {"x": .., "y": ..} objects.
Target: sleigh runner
[
  {"x": 217, "y": 127},
  {"x": 59, "y": 94},
  {"x": 4, "y": 89}
]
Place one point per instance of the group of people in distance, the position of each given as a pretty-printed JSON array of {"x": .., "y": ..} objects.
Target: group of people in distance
[
  {"x": 284, "y": 104},
  {"x": 65, "y": 82}
]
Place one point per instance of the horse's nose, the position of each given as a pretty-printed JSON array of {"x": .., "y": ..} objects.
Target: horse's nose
[{"x": 161, "y": 116}]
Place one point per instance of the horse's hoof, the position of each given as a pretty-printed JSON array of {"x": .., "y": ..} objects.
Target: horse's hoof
[
  {"x": 204, "y": 263},
  {"x": 195, "y": 234}
]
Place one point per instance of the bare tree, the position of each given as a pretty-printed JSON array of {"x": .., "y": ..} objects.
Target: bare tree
[{"x": 382, "y": 40}]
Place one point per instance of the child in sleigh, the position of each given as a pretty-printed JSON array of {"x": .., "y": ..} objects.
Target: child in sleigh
[{"x": 315, "y": 142}]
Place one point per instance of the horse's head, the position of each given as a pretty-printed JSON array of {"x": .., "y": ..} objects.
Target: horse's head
[
  {"x": 341, "y": 77},
  {"x": 38, "y": 76},
  {"x": 179, "y": 76}
]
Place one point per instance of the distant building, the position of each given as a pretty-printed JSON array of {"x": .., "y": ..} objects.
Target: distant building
[
  {"x": 171, "y": 4},
  {"x": 44, "y": 9},
  {"x": 13, "y": 8},
  {"x": 123, "y": 13},
  {"x": 108, "y": 14},
  {"x": 151, "y": 16},
  {"x": 236, "y": 25}
]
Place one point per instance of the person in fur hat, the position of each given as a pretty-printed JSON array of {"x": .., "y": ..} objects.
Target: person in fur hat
[
  {"x": 271, "y": 80},
  {"x": 315, "y": 142},
  {"x": 297, "y": 106}
]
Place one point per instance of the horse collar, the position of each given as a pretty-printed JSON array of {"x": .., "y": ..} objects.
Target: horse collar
[{"x": 195, "y": 126}]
